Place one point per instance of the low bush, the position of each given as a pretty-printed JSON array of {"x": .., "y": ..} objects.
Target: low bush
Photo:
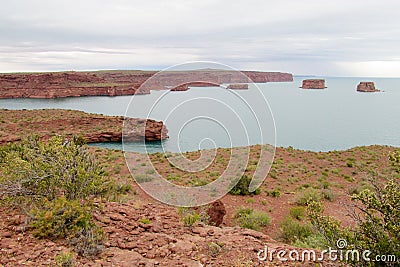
[
  {"x": 274, "y": 193},
  {"x": 62, "y": 218},
  {"x": 297, "y": 213},
  {"x": 50, "y": 169},
  {"x": 307, "y": 195},
  {"x": 293, "y": 230},
  {"x": 251, "y": 219},
  {"x": 65, "y": 260},
  {"x": 143, "y": 178},
  {"x": 242, "y": 187}
]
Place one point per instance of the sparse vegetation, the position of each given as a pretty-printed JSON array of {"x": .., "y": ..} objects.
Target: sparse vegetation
[
  {"x": 251, "y": 219},
  {"x": 377, "y": 214},
  {"x": 307, "y": 195}
]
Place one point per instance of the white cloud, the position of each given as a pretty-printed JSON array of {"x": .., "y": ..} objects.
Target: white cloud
[{"x": 315, "y": 37}]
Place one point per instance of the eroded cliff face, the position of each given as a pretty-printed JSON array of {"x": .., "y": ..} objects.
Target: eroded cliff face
[
  {"x": 94, "y": 128},
  {"x": 368, "y": 87},
  {"x": 313, "y": 84},
  {"x": 115, "y": 83}
]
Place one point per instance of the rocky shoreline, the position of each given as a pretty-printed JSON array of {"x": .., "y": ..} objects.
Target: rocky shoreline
[
  {"x": 93, "y": 128},
  {"x": 118, "y": 83}
]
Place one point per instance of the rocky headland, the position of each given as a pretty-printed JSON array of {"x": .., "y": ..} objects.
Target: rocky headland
[
  {"x": 93, "y": 128},
  {"x": 117, "y": 83}
]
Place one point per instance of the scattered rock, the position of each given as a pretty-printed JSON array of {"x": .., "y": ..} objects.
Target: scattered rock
[{"x": 7, "y": 235}]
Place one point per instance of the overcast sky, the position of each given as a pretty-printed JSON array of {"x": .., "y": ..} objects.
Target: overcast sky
[{"x": 328, "y": 38}]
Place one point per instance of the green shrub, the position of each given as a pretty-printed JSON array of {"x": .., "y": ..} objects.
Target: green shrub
[
  {"x": 293, "y": 230},
  {"x": 59, "y": 218},
  {"x": 274, "y": 193},
  {"x": 251, "y": 219},
  {"x": 62, "y": 218},
  {"x": 190, "y": 216},
  {"x": 214, "y": 249},
  {"x": 328, "y": 194},
  {"x": 242, "y": 187},
  {"x": 145, "y": 221},
  {"x": 307, "y": 195},
  {"x": 65, "y": 260},
  {"x": 312, "y": 241},
  {"x": 57, "y": 167},
  {"x": 297, "y": 213}
]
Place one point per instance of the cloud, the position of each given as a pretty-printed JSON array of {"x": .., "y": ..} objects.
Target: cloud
[{"x": 315, "y": 37}]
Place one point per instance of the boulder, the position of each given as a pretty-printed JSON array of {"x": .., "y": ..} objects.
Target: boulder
[{"x": 216, "y": 212}]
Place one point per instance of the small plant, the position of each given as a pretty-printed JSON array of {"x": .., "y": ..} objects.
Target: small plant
[
  {"x": 293, "y": 230},
  {"x": 190, "y": 219},
  {"x": 328, "y": 195},
  {"x": 250, "y": 200},
  {"x": 309, "y": 194},
  {"x": 87, "y": 242},
  {"x": 242, "y": 187},
  {"x": 59, "y": 218},
  {"x": 150, "y": 171},
  {"x": 145, "y": 220},
  {"x": 143, "y": 178},
  {"x": 251, "y": 219},
  {"x": 274, "y": 193},
  {"x": 297, "y": 213},
  {"x": 65, "y": 260},
  {"x": 214, "y": 249}
]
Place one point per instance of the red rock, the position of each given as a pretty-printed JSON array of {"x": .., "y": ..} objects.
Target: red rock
[
  {"x": 183, "y": 87},
  {"x": 313, "y": 84},
  {"x": 216, "y": 212},
  {"x": 238, "y": 86},
  {"x": 7, "y": 235},
  {"x": 67, "y": 84},
  {"x": 368, "y": 87}
]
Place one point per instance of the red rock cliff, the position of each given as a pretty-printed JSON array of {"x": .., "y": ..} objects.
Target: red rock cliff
[
  {"x": 94, "y": 128},
  {"x": 113, "y": 83}
]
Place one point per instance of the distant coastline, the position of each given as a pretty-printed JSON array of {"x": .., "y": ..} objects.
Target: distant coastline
[{"x": 119, "y": 83}]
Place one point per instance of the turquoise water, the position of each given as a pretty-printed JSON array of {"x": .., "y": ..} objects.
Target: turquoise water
[{"x": 320, "y": 120}]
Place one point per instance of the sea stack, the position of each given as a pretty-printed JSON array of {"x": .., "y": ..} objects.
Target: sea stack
[
  {"x": 368, "y": 87},
  {"x": 238, "y": 86},
  {"x": 313, "y": 84}
]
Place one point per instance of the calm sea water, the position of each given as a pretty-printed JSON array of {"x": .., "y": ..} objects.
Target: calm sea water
[{"x": 320, "y": 120}]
